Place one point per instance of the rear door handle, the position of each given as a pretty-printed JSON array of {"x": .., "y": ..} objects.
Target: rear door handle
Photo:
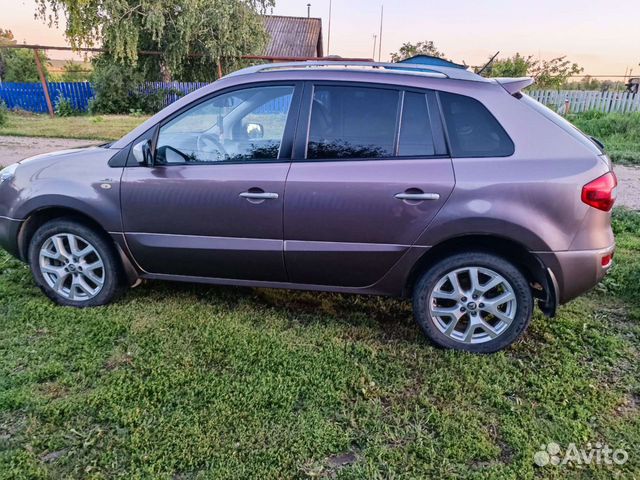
[
  {"x": 417, "y": 196},
  {"x": 259, "y": 195}
]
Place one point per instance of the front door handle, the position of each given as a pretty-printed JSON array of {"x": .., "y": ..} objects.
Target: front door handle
[
  {"x": 259, "y": 195},
  {"x": 417, "y": 196}
]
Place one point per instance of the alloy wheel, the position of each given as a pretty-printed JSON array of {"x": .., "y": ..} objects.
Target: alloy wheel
[
  {"x": 472, "y": 305},
  {"x": 72, "y": 267}
]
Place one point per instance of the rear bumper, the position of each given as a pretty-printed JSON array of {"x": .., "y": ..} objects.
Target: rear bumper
[
  {"x": 576, "y": 272},
  {"x": 9, "y": 229}
]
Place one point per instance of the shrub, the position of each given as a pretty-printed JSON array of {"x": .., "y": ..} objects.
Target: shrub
[
  {"x": 112, "y": 85},
  {"x": 3, "y": 113},
  {"x": 620, "y": 133},
  {"x": 64, "y": 107},
  {"x": 118, "y": 90}
]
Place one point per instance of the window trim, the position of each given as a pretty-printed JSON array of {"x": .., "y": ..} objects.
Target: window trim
[
  {"x": 286, "y": 147},
  {"x": 299, "y": 153},
  {"x": 446, "y": 128}
]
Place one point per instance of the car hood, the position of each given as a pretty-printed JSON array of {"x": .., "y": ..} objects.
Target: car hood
[{"x": 60, "y": 154}]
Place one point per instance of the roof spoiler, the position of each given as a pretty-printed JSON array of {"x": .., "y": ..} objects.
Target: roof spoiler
[{"x": 514, "y": 85}]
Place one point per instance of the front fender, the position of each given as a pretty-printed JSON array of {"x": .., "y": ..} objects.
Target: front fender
[{"x": 79, "y": 180}]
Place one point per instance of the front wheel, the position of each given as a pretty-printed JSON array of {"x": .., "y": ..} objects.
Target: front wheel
[
  {"x": 477, "y": 302},
  {"x": 74, "y": 265}
]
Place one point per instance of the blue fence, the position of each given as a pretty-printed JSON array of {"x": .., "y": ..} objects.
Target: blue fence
[
  {"x": 172, "y": 90},
  {"x": 30, "y": 96}
]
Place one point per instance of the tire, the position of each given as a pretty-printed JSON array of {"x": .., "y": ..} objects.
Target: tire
[
  {"x": 452, "y": 318},
  {"x": 75, "y": 280}
]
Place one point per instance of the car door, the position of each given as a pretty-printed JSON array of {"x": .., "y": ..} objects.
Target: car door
[
  {"x": 370, "y": 171},
  {"x": 211, "y": 205}
]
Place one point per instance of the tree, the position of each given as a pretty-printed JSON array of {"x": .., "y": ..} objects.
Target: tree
[
  {"x": 6, "y": 38},
  {"x": 74, "y": 72},
  {"x": 516, "y": 66},
  {"x": 409, "y": 50},
  {"x": 547, "y": 73},
  {"x": 211, "y": 31},
  {"x": 554, "y": 73},
  {"x": 590, "y": 83},
  {"x": 18, "y": 65}
]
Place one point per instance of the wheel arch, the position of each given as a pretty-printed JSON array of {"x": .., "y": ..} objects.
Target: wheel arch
[
  {"x": 39, "y": 217},
  {"x": 541, "y": 281}
]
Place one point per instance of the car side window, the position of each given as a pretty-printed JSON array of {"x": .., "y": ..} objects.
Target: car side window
[
  {"x": 352, "y": 122},
  {"x": 242, "y": 125},
  {"x": 473, "y": 130},
  {"x": 416, "y": 137}
]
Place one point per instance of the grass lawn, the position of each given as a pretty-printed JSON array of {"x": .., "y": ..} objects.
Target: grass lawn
[
  {"x": 182, "y": 381},
  {"x": 619, "y": 132},
  {"x": 85, "y": 127}
]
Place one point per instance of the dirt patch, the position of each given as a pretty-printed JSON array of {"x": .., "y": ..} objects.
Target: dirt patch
[
  {"x": 628, "y": 186},
  {"x": 14, "y": 149}
]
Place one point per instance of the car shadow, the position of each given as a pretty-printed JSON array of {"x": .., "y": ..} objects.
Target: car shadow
[{"x": 384, "y": 318}]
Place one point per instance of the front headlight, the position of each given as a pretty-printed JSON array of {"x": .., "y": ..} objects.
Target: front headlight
[{"x": 7, "y": 174}]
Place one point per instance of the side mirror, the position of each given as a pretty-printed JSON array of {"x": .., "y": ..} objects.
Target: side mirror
[
  {"x": 142, "y": 153},
  {"x": 254, "y": 131}
]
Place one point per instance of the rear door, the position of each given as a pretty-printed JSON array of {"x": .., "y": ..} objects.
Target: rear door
[{"x": 370, "y": 171}]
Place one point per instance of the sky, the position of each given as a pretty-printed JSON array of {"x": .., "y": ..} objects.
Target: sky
[{"x": 602, "y": 37}]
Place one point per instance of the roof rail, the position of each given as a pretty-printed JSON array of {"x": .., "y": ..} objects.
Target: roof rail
[{"x": 376, "y": 67}]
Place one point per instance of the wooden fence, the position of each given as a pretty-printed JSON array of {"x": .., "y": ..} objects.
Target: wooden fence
[
  {"x": 585, "y": 100},
  {"x": 30, "y": 96}
]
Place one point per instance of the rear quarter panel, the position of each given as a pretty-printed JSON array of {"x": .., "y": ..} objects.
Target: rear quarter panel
[{"x": 533, "y": 196}]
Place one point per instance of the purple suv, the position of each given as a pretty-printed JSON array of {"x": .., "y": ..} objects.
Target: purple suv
[{"x": 435, "y": 183}]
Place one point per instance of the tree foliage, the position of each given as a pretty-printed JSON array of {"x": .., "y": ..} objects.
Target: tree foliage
[
  {"x": 547, "y": 73},
  {"x": 211, "y": 31},
  {"x": 18, "y": 65},
  {"x": 590, "y": 83},
  {"x": 409, "y": 50},
  {"x": 74, "y": 72}
]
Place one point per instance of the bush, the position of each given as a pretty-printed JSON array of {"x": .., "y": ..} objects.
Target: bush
[
  {"x": 620, "y": 133},
  {"x": 118, "y": 90},
  {"x": 64, "y": 107},
  {"x": 3, "y": 113},
  {"x": 112, "y": 85}
]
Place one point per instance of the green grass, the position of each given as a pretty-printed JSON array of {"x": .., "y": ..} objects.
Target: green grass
[
  {"x": 184, "y": 381},
  {"x": 85, "y": 127},
  {"x": 619, "y": 132}
]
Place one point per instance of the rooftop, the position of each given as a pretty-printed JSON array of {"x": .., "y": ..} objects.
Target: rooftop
[
  {"x": 434, "y": 71},
  {"x": 293, "y": 36}
]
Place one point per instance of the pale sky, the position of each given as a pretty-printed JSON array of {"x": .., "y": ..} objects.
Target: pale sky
[{"x": 601, "y": 36}]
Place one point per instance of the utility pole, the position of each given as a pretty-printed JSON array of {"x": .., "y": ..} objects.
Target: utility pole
[
  {"x": 380, "y": 37},
  {"x": 329, "y": 33},
  {"x": 43, "y": 81}
]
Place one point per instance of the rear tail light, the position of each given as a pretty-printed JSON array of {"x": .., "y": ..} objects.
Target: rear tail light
[
  {"x": 601, "y": 192},
  {"x": 607, "y": 260}
]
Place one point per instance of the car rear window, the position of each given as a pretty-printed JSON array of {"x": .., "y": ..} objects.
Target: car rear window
[
  {"x": 473, "y": 131},
  {"x": 352, "y": 122}
]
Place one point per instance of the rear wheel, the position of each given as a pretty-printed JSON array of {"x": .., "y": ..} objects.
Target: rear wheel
[
  {"x": 74, "y": 265},
  {"x": 476, "y": 302}
]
